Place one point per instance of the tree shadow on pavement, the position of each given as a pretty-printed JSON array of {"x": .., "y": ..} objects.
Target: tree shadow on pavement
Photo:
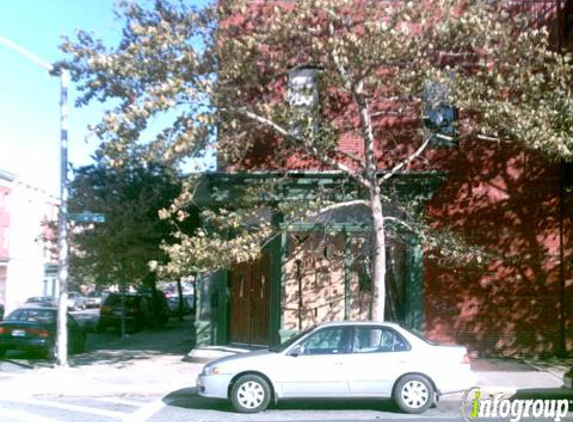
[
  {"x": 177, "y": 338},
  {"x": 189, "y": 398}
]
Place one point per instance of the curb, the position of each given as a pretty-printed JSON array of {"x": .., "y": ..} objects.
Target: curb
[{"x": 566, "y": 377}]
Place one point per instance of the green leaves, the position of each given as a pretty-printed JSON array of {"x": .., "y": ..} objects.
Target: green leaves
[{"x": 129, "y": 196}]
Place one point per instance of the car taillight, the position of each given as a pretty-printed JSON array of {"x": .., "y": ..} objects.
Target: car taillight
[
  {"x": 466, "y": 360},
  {"x": 38, "y": 332},
  {"x": 3, "y": 330}
]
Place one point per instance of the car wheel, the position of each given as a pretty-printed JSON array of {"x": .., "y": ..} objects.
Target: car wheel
[
  {"x": 413, "y": 394},
  {"x": 250, "y": 394}
]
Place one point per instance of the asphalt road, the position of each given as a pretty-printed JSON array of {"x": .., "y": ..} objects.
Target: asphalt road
[{"x": 186, "y": 406}]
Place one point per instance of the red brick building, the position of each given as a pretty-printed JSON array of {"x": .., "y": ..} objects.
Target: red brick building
[
  {"x": 519, "y": 204},
  {"x": 512, "y": 202}
]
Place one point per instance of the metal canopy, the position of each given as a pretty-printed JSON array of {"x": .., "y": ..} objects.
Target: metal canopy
[{"x": 217, "y": 188}]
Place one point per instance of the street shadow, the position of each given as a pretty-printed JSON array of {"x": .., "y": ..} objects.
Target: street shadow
[
  {"x": 545, "y": 394},
  {"x": 188, "y": 398}
]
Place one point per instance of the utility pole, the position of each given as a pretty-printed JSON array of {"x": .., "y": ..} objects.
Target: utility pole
[{"x": 62, "y": 339}]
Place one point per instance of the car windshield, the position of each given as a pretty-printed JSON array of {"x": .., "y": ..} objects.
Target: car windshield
[
  {"x": 33, "y": 315},
  {"x": 419, "y": 335},
  {"x": 285, "y": 345}
]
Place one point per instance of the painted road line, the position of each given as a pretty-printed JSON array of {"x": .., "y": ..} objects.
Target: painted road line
[
  {"x": 16, "y": 415},
  {"x": 145, "y": 412},
  {"x": 76, "y": 408},
  {"x": 119, "y": 400}
]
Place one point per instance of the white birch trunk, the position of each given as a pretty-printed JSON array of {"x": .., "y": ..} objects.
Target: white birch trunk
[{"x": 378, "y": 257}]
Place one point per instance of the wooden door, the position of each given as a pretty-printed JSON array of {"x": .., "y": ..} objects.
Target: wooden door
[{"x": 249, "y": 313}]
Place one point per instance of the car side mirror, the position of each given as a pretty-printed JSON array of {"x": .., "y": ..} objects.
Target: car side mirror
[{"x": 296, "y": 350}]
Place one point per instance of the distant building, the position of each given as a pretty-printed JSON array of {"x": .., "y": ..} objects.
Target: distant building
[{"x": 27, "y": 260}]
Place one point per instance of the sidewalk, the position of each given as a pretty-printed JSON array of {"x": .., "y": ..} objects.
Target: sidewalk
[
  {"x": 146, "y": 363},
  {"x": 157, "y": 362},
  {"x": 520, "y": 374}
]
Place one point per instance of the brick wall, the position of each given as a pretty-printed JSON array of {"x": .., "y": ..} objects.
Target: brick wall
[{"x": 510, "y": 203}]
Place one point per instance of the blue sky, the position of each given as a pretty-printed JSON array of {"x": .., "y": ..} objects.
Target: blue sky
[{"x": 29, "y": 97}]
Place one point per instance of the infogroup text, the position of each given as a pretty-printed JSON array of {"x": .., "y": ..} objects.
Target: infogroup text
[{"x": 475, "y": 407}]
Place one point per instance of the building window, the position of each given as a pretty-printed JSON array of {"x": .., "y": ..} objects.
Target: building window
[
  {"x": 440, "y": 117},
  {"x": 302, "y": 96}
]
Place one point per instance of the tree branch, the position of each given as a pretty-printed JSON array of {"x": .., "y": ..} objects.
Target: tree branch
[
  {"x": 407, "y": 161},
  {"x": 336, "y": 59},
  {"x": 352, "y": 157},
  {"x": 308, "y": 148},
  {"x": 401, "y": 222},
  {"x": 344, "y": 205}
]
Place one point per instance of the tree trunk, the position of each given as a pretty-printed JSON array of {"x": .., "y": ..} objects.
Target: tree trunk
[
  {"x": 378, "y": 236},
  {"x": 378, "y": 256},
  {"x": 180, "y": 306}
]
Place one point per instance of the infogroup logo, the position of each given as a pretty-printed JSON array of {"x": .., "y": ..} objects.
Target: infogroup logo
[{"x": 476, "y": 406}]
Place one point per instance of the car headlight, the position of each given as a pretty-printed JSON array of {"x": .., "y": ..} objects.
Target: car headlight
[{"x": 211, "y": 370}]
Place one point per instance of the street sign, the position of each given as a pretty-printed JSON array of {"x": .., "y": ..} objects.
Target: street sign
[
  {"x": 87, "y": 217},
  {"x": 50, "y": 270}
]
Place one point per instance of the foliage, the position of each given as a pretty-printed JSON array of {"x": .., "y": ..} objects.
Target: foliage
[
  {"x": 118, "y": 250},
  {"x": 220, "y": 74}
]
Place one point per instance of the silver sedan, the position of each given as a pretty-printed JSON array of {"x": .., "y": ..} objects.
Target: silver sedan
[{"x": 342, "y": 360}]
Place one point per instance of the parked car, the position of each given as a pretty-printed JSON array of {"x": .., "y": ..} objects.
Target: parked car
[
  {"x": 341, "y": 360},
  {"x": 1, "y": 311},
  {"x": 32, "y": 328},
  {"x": 93, "y": 299},
  {"x": 137, "y": 312},
  {"x": 76, "y": 301},
  {"x": 42, "y": 300}
]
